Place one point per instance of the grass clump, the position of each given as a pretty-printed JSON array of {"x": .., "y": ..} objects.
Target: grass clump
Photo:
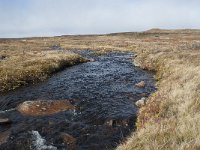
[{"x": 20, "y": 67}]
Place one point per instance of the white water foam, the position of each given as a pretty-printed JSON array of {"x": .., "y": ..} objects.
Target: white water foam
[
  {"x": 39, "y": 142},
  {"x": 5, "y": 111}
]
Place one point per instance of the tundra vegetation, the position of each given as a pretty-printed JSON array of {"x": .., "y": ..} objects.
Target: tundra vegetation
[
  {"x": 170, "y": 119},
  {"x": 29, "y": 61}
]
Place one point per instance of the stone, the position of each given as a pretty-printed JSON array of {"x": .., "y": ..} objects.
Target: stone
[
  {"x": 4, "y": 121},
  {"x": 69, "y": 140},
  {"x": 135, "y": 63},
  {"x": 141, "y": 84},
  {"x": 2, "y": 57},
  {"x": 42, "y": 107},
  {"x": 143, "y": 94},
  {"x": 124, "y": 122},
  {"x": 109, "y": 122},
  {"x": 141, "y": 102},
  {"x": 114, "y": 123},
  {"x": 4, "y": 136},
  {"x": 91, "y": 60}
]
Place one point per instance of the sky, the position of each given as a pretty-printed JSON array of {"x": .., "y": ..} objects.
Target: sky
[{"x": 27, "y": 18}]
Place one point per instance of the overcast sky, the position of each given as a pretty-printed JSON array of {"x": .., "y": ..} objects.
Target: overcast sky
[{"x": 22, "y": 18}]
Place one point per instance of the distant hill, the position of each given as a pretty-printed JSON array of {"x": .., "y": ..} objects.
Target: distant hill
[{"x": 157, "y": 30}]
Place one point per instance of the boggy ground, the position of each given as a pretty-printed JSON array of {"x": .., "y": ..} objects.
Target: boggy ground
[{"x": 170, "y": 120}]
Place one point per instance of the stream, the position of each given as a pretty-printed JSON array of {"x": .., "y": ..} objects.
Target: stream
[{"x": 103, "y": 91}]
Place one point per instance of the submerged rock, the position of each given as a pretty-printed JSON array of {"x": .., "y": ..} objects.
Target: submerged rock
[
  {"x": 144, "y": 94},
  {"x": 91, "y": 60},
  {"x": 109, "y": 122},
  {"x": 69, "y": 140},
  {"x": 42, "y": 108},
  {"x": 4, "y": 136},
  {"x": 124, "y": 122}
]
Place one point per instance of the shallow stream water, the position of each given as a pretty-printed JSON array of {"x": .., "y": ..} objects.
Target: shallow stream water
[{"x": 104, "y": 92}]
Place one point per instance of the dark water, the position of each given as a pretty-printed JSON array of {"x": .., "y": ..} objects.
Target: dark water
[{"x": 104, "y": 90}]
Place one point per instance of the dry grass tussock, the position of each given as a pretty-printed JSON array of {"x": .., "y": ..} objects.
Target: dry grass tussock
[{"x": 24, "y": 62}]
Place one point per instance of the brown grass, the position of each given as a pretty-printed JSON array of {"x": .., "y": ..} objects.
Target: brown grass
[{"x": 24, "y": 63}]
